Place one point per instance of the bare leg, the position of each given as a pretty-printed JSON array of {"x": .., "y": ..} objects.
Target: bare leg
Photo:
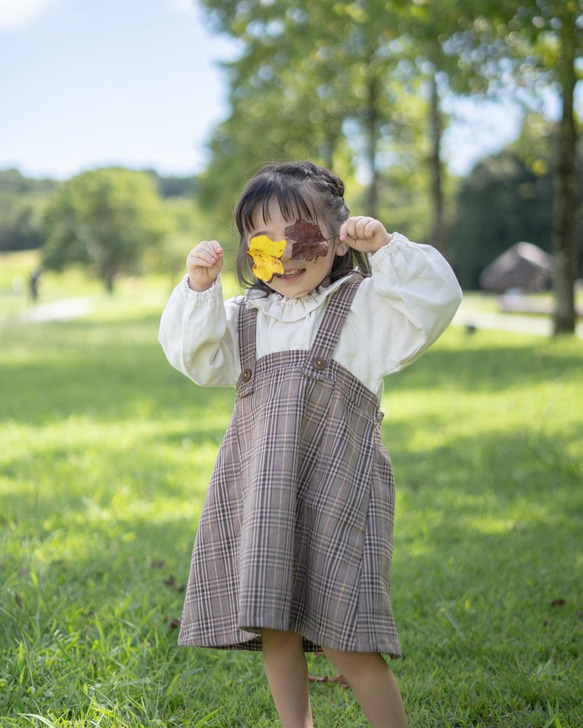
[
  {"x": 373, "y": 685},
  {"x": 287, "y": 675}
]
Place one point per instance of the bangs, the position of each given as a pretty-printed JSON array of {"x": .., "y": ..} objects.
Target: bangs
[{"x": 291, "y": 196}]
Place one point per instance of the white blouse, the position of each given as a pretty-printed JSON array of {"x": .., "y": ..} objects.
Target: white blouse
[{"x": 395, "y": 316}]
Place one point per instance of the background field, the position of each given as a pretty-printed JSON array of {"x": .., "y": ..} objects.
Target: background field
[{"x": 104, "y": 460}]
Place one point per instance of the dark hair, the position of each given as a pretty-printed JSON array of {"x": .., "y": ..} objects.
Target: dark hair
[{"x": 303, "y": 190}]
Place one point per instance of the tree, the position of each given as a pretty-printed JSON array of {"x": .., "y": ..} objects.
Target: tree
[
  {"x": 22, "y": 204},
  {"x": 500, "y": 203},
  {"x": 353, "y": 84},
  {"x": 20, "y": 222},
  {"x": 103, "y": 219},
  {"x": 539, "y": 43},
  {"x": 314, "y": 79},
  {"x": 507, "y": 198},
  {"x": 187, "y": 225}
]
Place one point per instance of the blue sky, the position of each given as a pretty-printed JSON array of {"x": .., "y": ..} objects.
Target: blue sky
[{"x": 88, "y": 83}]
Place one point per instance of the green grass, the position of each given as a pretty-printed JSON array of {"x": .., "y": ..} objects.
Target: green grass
[
  {"x": 105, "y": 458},
  {"x": 490, "y": 302}
]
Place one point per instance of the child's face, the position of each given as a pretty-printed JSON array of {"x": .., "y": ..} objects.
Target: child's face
[{"x": 299, "y": 276}]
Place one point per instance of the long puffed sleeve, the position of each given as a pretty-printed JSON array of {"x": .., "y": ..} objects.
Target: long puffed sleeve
[
  {"x": 198, "y": 333},
  {"x": 405, "y": 306}
]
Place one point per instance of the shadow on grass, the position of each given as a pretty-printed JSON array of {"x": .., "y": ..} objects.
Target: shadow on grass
[
  {"x": 506, "y": 459},
  {"x": 479, "y": 366}
]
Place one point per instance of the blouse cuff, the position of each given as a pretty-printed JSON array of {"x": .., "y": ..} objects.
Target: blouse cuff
[
  {"x": 202, "y": 298},
  {"x": 398, "y": 242}
]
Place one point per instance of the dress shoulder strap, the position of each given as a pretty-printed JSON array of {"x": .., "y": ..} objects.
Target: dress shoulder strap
[
  {"x": 328, "y": 333},
  {"x": 247, "y": 348}
]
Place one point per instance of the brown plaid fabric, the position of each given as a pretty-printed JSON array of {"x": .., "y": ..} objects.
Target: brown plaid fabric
[{"x": 296, "y": 530}]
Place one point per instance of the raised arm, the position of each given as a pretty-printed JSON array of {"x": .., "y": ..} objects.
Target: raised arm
[
  {"x": 198, "y": 332},
  {"x": 406, "y": 305}
]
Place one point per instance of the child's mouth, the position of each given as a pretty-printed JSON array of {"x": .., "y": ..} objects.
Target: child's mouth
[{"x": 290, "y": 275}]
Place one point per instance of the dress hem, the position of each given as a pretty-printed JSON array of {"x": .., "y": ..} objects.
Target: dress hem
[{"x": 312, "y": 643}]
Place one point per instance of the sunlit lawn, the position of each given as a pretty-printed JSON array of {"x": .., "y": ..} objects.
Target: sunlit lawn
[{"x": 105, "y": 456}]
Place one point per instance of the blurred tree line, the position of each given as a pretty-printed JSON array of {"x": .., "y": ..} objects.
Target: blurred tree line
[
  {"x": 359, "y": 87},
  {"x": 22, "y": 205},
  {"x": 112, "y": 221}
]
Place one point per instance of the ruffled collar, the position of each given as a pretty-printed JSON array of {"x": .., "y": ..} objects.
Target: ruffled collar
[{"x": 283, "y": 308}]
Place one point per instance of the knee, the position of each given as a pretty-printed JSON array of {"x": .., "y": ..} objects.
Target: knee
[
  {"x": 280, "y": 638},
  {"x": 355, "y": 663}
]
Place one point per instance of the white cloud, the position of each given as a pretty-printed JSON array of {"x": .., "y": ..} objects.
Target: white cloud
[
  {"x": 17, "y": 14},
  {"x": 188, "y": 7}
]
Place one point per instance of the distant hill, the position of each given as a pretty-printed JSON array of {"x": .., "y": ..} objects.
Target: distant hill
[
  {"x": 13, "y": 182},
  {"x": 174, "y": 186}
]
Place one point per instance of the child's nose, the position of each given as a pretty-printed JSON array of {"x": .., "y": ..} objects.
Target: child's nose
[{"x": 288, "y": 250}]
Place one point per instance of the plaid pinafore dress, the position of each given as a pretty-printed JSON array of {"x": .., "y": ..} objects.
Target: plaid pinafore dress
[{"x": 297, "y": 526}]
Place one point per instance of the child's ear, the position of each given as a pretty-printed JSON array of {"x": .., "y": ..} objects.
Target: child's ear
[{"x": 341, "y": 248}]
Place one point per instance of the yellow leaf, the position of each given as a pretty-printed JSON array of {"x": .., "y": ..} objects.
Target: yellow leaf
[{"x": 266, "y": 256}]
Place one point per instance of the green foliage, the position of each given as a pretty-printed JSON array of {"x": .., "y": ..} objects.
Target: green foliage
[
  {"x": 320, "y": 80},
  {"x": 506, "y": 199},
  {"x": 101, "y": 487},
  {"x": 103, "y": 219},
  {"x": 12, "y": 182},
  {"x": 20, "y": 222},
  {"x": 173, "y": 186},
  {"x": 346, "y": 84},
  {"x": 501, "y": 203},
  {"x": 538, "y": 44},
  {"x": 22, "y": 204},
  {"x": 188, "y": 224}
]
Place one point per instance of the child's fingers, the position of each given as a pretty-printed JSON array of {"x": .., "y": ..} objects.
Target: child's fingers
[
  {"x": 199, "y": 259},
  {"x": 205, "y": 254},
  {"x": 364, "y": 233},
  {"x": 204, "y": 264},
  {"x": 347, "y": 229},
  {"x": 366, "y": 227},
  {"x": 372, "y": 227},
  {"x": 354, "y": 227},
  {"x": 360, "y": 228}
]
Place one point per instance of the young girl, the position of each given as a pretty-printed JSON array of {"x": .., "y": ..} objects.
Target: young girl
[{"x": 294, "y": 545}]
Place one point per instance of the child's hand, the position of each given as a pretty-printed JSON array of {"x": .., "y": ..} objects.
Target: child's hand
[
  {"x": 204, "y": 264},
  {"x": 364, "y": 233}
]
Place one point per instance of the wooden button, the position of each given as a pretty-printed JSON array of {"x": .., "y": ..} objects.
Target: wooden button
[
  {"x": 319, "y": 363},
  {"x": 247, "y": 375}
]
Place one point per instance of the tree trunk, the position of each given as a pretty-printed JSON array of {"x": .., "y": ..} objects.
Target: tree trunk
[
  {"x": 108, "y": 279},
  {"x": 565, "y": 204},
  {"x": 372, "y": 124},
  {"x": 438, "y": 229},
  {"x": 328, "y": 149}
]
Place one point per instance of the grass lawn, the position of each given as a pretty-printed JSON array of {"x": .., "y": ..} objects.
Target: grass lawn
[{"x": 104, "y": 461}]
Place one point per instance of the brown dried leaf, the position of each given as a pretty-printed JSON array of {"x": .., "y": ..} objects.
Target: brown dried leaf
[
  {"x": 309, "y": 243},
  {"x": 558, "y": 602},
  {"x": 339, "y": 679}
]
